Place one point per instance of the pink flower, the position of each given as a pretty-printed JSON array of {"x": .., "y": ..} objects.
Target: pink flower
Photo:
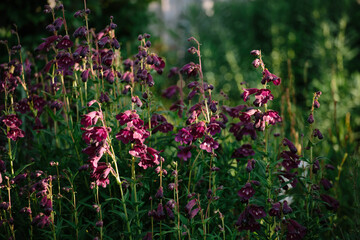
[
  {"x": 269, "y": 77},
  {"x": 184, "y": 136},
  {"x": 101, "y": 174},
  {"x": 91, "y": 118},
  {"x": 209, "y": 144}
]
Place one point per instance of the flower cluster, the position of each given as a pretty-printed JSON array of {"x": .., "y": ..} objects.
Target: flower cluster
[
  {"x": 95, "y": 137},
  {"x": 13, "y": 123},
  {"x": 135, "y": 133}
]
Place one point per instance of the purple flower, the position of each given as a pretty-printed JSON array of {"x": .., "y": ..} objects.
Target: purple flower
[
  {"x": 330, "y": 202},
  {"x": 160, "y": 193},
  {"x": 295, "y": 230},
  {"x": 256, "y": 63},
  {"x": 291, "y": 146},
  {"x": 198, "y": 130},
  {"x": 310, "y": 119},
  {"x": 275, "y": 210},
  {"x": 241, "y": 129},
  {"x": 246, "y": 221},
  {"x": 326, "y": 184},
  {"x": 246, "y": 192},
  {"x": 90, "y": 118},
  {"x": 101, "y": 174},
  {"x": 209, "y": 144},
  {"x": 64, "y": 43},
  {"x": 190, "y": 69},
  {"x": 262, "y": 96},
  {"x": 318, "y": 134},
  {"x": 244, "y": 151},
  {"x": 248, "y": 92},
  {"x": 12, "y": 121},
  {"x": 159, "y": 214},
  {"x": 22, "y": 106},
  {"x": 41, "y": 221},
  {"x": 214, "y": 127},
  {"x": 255, "y": 52},
  {"x": 257, "y": 212},
  {"x": 291, "y": 160},
  {"x": 15, "y": 133},
  {"x": 286, "y": 208},
  {"x": 184, "y": 136},
  {"x": 80, "y": 32},
  {"x": 170, "y": 91},
  {"x": 269, "y": 77},
  {"x": 125, "y": 135},
  {"x": 250, "y": 165},
  {"x": 184, "y": 153}
]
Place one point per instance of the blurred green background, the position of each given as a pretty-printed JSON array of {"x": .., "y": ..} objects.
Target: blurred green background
[{"x": 313, "y": 45}]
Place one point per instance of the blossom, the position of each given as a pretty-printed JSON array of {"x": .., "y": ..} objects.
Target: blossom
[
  {"x": 295, "y": 230},
  {"x": 250, "y": 165},
  {"x": 198, "y": 130},
  {"x": 184, "y": 153},
  {"x": 184, "y": 136},
  {"x": 247, "y": 221},
  {"x": 170, "y": 91},
  {"x": 244, "y": 151},
  {"x": 90, "y": 118},
  {"x": 191, "y": 69},
  {"x": 291, "y": 146},
  {"x": 269, "y": 77},
  {"x": 291, "y": 160},
  {"x": 262, "y": 96},
  {"x": 209, "y": 144},
  {"x": 101, "y": 173},
  {"x": 330, "y": 202},
  {"x": 246, "y": 192}
]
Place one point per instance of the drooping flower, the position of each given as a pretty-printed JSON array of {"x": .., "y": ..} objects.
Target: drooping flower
[
  {"x": 101, "y": 173},
  {"x": 269, "y": 77},
  {"x": 184, "y": 153},
  {"x": 330, "y": 202},
  {"x": 244, "y": 151},
  {"x": 209, "y": 144},
  {"x": 184, "y": 136},
  {"x": 295, "y": 231},
  {"x": 190, "y": 69},
  {"x": 246, "y": 192}
]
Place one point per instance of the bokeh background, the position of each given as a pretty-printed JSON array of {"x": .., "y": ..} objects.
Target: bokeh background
[{"x": 313, "y": 45}]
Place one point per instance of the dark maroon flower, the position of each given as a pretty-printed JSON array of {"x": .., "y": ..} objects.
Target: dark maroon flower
[
  {"x": 184, "y": 136},
  {"x": 275, "y": 210},
  {"x": 125, "y": 135},
  {"x": 170, "y": 91},
  {"x": 295, "y": 230},
  {"x": 244, "y": 151},
  {"x": 318, "y": 134},
  {"x": 12, "y": 121},
  {"x": 269, "y": 77},
  {"x": 90, "y": 118},
  {"x": 103, "y": 41},
  {"x": 286, "y": 208},
  {"x": 291, "y": 146},
  {"x": 291, "y": 160},
  {"x": 209, "y": 144},
  {"x": 160, "y": 193},
  {"x": 250, "y": 165},
  {"x": 330, "y": 202},
  {"x": 257, "y": 212},
  {"x": 97, "y": 134},
  {"x": 329, "y": 166},
  {"x": 104, "y": 97},
  {"x": 22, "y": 106},
  {"x": 213, "y": 127},
  {"x": 159, "y": 214},
  {"x": 15, "y": 133},
  {"x": 246, "y": 192},
  {"x": 101, "y": 174},
  {"x": 270, "y": 117},
  {"x": 184, "y": 153},
  {"x": 158, "y": 64},
  {"x": 246, "y": 221},
  {"x": 190, "y": 69},
  {"x": 99, "y": 223},
  {"x": 173, "y": 71},
  {"x": 58, "y": 23},
  {"x": 248, "y": 92},
  {"x": 241, "y": 129},
  {"x": 310, "y": 119},
  {"x": 47, "y": 42},
  {"x": 80, "y": 32},
  {"x": 316, "y": 167},
  {"x": 64, "y": 43},
  {"x": 169, "y": 213},
  {"x": 262, "y": 96},
  {"x": 326, "y": 184},
  {"x": 198, "y": 130},
  {"x": 41, "y": 221}
]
